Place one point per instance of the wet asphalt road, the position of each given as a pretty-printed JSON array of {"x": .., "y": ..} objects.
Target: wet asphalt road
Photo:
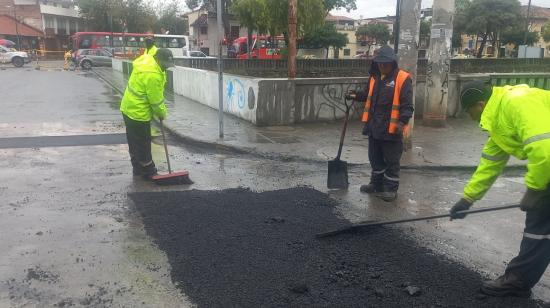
[{"x": 70, "y": 235}]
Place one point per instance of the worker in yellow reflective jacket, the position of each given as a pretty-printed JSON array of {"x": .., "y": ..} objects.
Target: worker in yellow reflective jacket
[
  {"x": 143, "y": 100},
  {"x": 517, "y": 119}
]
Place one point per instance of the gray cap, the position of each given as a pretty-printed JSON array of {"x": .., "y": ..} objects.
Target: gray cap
[
  {"x": 165, "y": 58},
  {"x": 473, "y": 92}
]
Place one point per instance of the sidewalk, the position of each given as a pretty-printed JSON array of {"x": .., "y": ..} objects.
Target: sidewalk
[{"x": 456, "y": 146}]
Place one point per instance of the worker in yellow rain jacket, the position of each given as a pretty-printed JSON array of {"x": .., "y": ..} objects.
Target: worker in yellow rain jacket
[
  {"x": 517, "y": 119},
  {"x": 143, "y": 100}
]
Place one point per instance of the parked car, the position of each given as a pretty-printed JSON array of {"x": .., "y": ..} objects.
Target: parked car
[
  {"x": 10, "y": 55},
  {"x": 88, "y": 58},
  {"x": 195, "y": 54}
]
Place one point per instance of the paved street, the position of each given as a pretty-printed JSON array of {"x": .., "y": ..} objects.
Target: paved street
[{"x": 70, "y": 234}]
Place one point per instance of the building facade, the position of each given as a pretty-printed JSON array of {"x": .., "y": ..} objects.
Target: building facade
[
  {"x": 53, "y": 20},
  {"x": 203, "y": 31}
]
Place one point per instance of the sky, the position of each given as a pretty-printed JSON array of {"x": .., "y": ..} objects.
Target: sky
[{"x": 380, "y": 8}]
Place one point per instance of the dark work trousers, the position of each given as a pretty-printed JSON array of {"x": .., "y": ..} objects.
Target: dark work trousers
[
  {"x": 138, "y": 134},
  {"x": 384, "y": 157},
  {"x": 526, "y": 269}
]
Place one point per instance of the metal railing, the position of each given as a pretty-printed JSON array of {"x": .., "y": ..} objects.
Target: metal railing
[{"x": 360, "y": 67}]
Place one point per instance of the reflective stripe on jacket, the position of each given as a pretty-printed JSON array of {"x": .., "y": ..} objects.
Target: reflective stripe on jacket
[
  {"x": 144, "y": 95},
  {"x": 400, "y": 79},
  {"x": 517, "y": 119}
]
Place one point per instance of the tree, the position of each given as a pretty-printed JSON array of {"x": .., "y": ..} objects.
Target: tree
[
  {"x": 325, "y": 37},
  {"x": 460, "y": 21},
  {"x": 546, "y": 32},
  {"x": 193, "y": 4},
  {"x": 250, "y": 13},
  {"x": 425, "y": 28},
  {"x": 373, "y": 34},
  {"x": 98, "y": 14},
  {"x": 348, "y": 5},
  {"x": 488, "y": 18},
  {"x": 169, "y": 19},
  {"x": 516, "y": 35}
]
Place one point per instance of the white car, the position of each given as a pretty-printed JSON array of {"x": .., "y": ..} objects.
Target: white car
[{"x": 10, "y": 55}]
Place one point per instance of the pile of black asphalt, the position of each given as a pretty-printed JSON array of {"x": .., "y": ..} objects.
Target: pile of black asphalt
[{"x": 239, "y": 248}]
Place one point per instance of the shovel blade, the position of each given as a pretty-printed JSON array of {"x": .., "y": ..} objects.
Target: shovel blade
[{"x": 337, "y": 174}]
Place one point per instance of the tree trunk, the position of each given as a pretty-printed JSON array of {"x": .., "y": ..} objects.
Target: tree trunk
[
  {"x": 482, "y": 46},
  {"x": 292, "y": 21}
]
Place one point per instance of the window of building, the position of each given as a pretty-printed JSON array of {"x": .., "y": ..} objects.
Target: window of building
[
  {"x": 49, "y": 22},
  {"x": 204, "y": 30},
  {"x": 235, "y": 31},
  {"x": 347, "y": 52}
]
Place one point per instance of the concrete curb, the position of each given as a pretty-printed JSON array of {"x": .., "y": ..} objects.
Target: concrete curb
[{"x": 217, "y": 146}]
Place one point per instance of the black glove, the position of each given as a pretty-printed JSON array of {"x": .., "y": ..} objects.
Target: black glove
[
  {"x": 351, "y": 94},
  {"x": 534, "y": 199},
  {"x": 400, "y": 127},
  {"x": 461, "y": 205}
]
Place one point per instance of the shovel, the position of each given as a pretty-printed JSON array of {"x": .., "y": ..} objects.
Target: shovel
[
  {"x": 371, "y": 224},
  {"x": 338, "y": 169}
]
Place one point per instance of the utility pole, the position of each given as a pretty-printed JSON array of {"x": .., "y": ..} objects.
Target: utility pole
[
  {"x": 527, "y": 23},
  {"x": 220, "y": 67},
  {"x": 292, "y": 21},
  {"x": 396, "y": 26},
  {"x": 439, "y": 63},
  {"x": 408, "y": 40}
]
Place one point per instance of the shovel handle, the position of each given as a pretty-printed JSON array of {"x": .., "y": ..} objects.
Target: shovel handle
[
  {"x": 343, "y": 134},
  {"x": 398, "y": 221},
  {"x": 165, "y": 146}
]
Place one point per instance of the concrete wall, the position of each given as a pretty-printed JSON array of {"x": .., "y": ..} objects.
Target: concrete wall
[
  {"x": 269, "y": 101},
  {"x": 240, "y": 93},
  {"x": 280, "y": 101},
  {"x": 117, "y": 64},
  {"x": 322, "y": 99}
]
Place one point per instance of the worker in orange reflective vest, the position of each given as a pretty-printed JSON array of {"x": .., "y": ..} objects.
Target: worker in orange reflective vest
[{"x": 388, "y": 100}]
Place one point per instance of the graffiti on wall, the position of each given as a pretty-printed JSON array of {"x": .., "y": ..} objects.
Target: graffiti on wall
[
  {"x": 235, "y": 94},
  {"x": 324, "y": 102}
]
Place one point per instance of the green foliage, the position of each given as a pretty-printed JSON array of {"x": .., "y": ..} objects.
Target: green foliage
[
  {"x": 193, "y": 4},
  {"x": 546, "y": 32},
  {"x": 272, "y": 15},
  {"x": 516, "y": 35},
  {"x": 348, "y": 5},
  {"x": 488, "y": 18},
  {"x": 325, "y": 37},
  {"x": 460, "y": 21},
  {"x": 138, "y": 16},
  {"x": 425, "y": 28},
  {"x": 169, "y": 20},
  {"x": 373, "y": 34},
  {"x": 251, "y": 14}
]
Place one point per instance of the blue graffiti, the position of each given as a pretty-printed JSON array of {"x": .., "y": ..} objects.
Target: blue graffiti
[{"x": 236, "y": 96}]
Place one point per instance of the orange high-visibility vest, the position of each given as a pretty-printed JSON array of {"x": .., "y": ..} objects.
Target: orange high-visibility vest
[{"x": 394, "y": 120}]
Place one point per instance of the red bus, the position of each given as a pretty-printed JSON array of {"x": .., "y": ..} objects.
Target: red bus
[
  {"x": 128, "y": 45},
  {"x": 263, "y": 47}
]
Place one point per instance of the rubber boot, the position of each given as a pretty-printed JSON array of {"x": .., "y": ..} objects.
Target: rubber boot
[
  {"x": 503, "y": 286},
  {"x": 370, "y": 188},
  {"x": 387, "y": 195}
]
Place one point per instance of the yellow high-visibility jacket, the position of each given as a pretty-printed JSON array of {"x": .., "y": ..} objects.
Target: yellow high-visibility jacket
[
  {"x": 144, "y": 95},
  {"x": 152, "y": 51},
  {"x": 517, "y": 119}
]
